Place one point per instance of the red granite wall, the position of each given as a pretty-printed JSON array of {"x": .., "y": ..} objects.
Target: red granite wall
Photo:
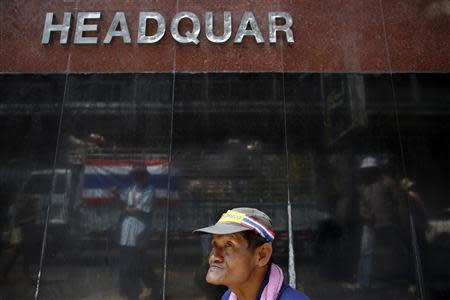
[{"x": 330, "y": 35}]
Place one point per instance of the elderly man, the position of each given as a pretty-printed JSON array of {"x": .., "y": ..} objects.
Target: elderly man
[{"x": 241, "y": 258}]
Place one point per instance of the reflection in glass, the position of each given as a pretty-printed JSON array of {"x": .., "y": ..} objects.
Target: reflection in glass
[
  {"x": 105, "y": 235},
  {"x": 368, "y": 175},
  {"x": 229, "y": 148},
  {"x": 29, "y": 114},
  {"x": 344, "y": 182},
  {"x": 423, "y": 101}
]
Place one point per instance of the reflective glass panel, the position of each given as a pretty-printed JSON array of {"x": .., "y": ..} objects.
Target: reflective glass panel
[
  {"x": 423, "y": 105},
  {"x": 30, "y": 108},
  {"x": 345, "y": 166},
  {"x": 107, "y": 218},
  {"x": 228, "y": 151}
]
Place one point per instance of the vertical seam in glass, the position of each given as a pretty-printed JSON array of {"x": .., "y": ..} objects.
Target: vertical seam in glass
[
  {"x": 53, "y": 176},
  {"x": 166, "y": 225},
  {"x": 414, "y": 242},
  {"x": 388, "y": 54},
  {"x": 291, "y": 262},
  {"x": 291, "y": 259}
]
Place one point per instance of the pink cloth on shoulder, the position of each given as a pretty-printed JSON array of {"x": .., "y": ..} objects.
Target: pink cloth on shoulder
[{"x": 272, "y": 288}]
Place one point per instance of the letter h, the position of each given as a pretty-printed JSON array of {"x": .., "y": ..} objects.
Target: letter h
[{"x": 63, "y": 28}]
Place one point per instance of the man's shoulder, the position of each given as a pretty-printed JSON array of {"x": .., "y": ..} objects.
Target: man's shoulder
[
  {"x": 288, "y": 293},
  {"x": 226, "y": 296},
  {"x": 149, "y": 189}
]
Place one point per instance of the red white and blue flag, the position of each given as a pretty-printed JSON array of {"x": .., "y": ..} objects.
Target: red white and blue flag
[{"x": 102, "y": 175}]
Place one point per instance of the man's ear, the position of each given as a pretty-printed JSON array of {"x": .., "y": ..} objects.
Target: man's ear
[{"x": 263, "y": 254}]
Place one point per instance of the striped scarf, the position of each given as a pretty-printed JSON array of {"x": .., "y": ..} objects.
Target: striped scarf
[{"x": 272, "y": 288}]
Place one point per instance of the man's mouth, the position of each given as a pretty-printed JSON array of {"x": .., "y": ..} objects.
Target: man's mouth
[{"x": 215, "y": 267}]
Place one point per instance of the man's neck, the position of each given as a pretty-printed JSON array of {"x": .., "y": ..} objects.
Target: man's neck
[
  {"x": 249, "y": 290},
  {"x": 141, "y": 185}
]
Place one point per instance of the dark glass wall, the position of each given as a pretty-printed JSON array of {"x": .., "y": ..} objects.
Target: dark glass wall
[
  {"x": 30, "y": 114},
  {"x": 360, "y": 161},
  {"x": 424, "y": 130},
  {"x": 228, "y": 143},
  {"x": 345, "y": 167}
]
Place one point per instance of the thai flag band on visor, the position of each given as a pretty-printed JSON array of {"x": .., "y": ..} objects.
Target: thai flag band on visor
[{"x": 242, "y": 219}]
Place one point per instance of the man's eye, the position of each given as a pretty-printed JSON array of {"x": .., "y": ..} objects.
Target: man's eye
[{"x": 229, "y": 244}]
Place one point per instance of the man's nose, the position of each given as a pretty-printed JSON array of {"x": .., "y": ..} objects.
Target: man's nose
[{"x": 215, "y": 255}]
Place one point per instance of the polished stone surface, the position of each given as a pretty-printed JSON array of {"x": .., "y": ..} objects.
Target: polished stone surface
[
  {"x": 418, "y": 34},
  {"x": 21, "y": 24},
  {"x": 330, "y": 36},
  {"x": 336, "y": 35}
]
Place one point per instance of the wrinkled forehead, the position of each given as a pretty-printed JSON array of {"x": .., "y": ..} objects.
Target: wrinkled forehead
[{"x": 237, "y": 237}]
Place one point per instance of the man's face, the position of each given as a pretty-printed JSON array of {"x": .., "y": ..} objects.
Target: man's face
[
  {"x": 140, "y": 179},
  {"x": 231, "y": 262}
]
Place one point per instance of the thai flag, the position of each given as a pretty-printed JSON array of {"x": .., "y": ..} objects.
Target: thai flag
[
  {"x": 102, "y": 175},
  {"x": 261, "y": 229}
]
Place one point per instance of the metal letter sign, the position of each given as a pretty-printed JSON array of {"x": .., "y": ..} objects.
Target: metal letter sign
[
  {"x": 190, "y": 37},
  {"x": 63, "y": 28},
  {"x": 81, "y": 28},
  {"x": 286, "y": 27},
  {"x": 248, "y": 19},
  {"x": 209, "y": 22},
  {"x": 248, "y": 27},
  {"x": 161, "y": 27},
  {"x": 119, "y": 19}
]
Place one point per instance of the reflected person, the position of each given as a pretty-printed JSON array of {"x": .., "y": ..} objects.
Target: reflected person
[
  {"x": 412, "y": 206},
  {"x": 134, "y": 227},
  {"x": 21, "y": 221},
  {"x": 241, "y": 258},
  {"x": 378, "y": 212}
]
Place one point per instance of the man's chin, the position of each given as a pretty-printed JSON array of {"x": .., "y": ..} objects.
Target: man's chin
[{"x": 211, "y": 279}]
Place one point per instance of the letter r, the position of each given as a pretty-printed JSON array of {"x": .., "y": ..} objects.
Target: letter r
[{"x": 286, "y": 27}]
